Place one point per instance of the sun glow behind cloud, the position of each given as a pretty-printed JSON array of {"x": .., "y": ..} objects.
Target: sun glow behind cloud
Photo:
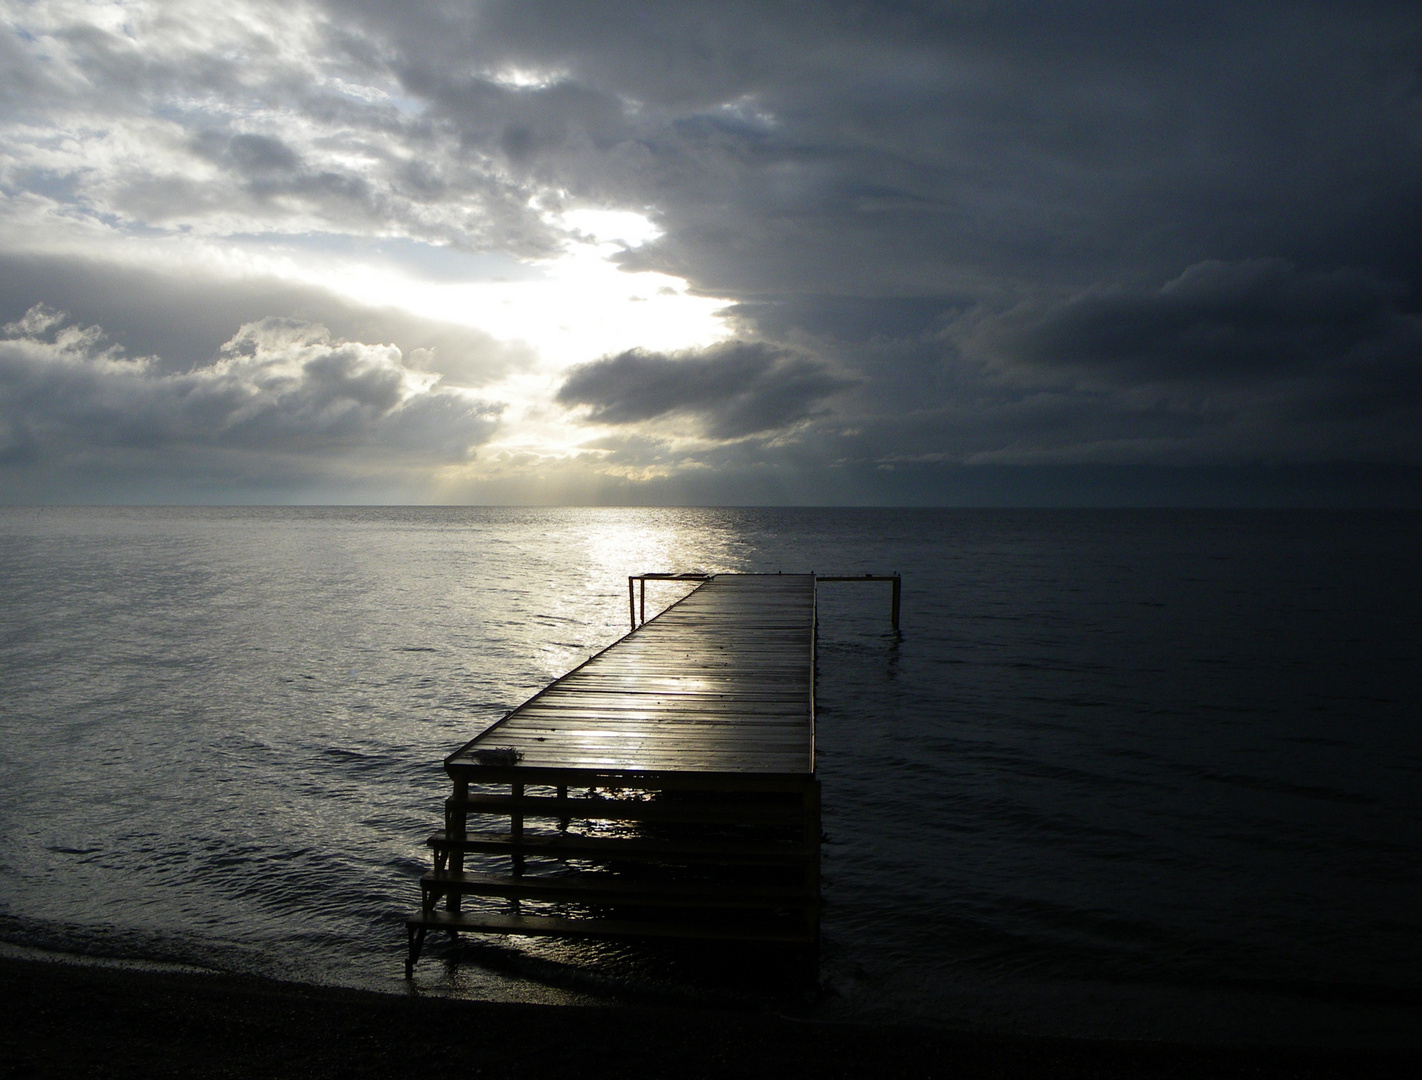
[
  {"x": 558, "y": 312},
  {"x": 228, "y": 179},
  {"x": 567, "y": 310},
  {"x": 876, "y": 249},
  {"x": 570, "y": 309}
]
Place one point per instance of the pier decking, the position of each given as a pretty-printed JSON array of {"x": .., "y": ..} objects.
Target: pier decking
[
  {"x": 664, "y": 788},
  {"x": 722, "y": 682}
]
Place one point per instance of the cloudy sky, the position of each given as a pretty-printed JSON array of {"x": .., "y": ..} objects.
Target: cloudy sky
[{"x": 993, "y": 252}]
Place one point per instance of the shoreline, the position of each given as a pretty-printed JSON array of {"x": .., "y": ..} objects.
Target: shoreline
[{"x": 62, "y": 1018}]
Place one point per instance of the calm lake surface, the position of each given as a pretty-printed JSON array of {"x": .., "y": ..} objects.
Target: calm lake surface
[{"x": 1149, "y": 774}]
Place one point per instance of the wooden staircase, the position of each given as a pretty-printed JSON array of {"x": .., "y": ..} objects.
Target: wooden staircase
[{"x": 733, "y": 861}]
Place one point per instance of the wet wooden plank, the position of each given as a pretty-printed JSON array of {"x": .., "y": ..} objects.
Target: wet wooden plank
[{"x": 722, "y": 681}]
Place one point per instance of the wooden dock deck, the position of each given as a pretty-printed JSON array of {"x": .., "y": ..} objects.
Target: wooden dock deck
[
  {"x": 664, "y": 788},
  {"x": 721, "y": 682}
]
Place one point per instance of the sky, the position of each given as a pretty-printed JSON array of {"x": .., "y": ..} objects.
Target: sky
[{"x": 986, "y": 253}]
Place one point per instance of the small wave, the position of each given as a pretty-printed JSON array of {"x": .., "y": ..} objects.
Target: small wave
[{"x": 1283, "y": 787}]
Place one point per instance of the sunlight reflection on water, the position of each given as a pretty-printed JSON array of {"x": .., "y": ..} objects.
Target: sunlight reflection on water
[{"x": 1142, "y": 774}]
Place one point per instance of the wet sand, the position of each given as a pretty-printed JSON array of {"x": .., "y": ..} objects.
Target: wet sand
[{"x": 63, "y": 1020}]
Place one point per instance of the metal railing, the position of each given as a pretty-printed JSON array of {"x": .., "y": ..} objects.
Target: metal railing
[
  {"x": 893, "y": 579},
  {"x": 632, "y": 607},
  {"x": 637, "y": 605}
]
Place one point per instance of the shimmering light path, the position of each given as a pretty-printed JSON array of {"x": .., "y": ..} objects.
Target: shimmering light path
[
  {"x": 1156, "y": 774},
  {"x": 720, "y": 682}
]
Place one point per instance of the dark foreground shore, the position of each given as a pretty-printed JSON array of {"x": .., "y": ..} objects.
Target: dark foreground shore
[{"x": 63, "y": 1020}]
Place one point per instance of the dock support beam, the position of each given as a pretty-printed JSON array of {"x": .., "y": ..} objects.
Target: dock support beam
[
  {"x": 455, "y": 824},
  {"x": 811, "y": 840},
  {"x": 516, "y": 829}
]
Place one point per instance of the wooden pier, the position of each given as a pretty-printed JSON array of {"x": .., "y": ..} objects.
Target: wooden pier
[{"x": 663, "y": 789}]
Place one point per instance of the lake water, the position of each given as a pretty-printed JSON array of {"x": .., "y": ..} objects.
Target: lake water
[{"x": 1150, "y": 774}]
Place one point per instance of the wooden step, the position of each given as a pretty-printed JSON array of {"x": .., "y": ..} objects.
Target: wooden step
[
  {"x": 628, "y": 848},
  {"x": 610, "y": 889},
  {"x": 701, "y": 813},
  {"x": 482, "y": 923}
]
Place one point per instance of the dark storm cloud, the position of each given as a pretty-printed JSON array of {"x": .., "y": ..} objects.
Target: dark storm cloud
[
  {"x": 863, "y": 177},
  {"x": 1217, "y": 322},
  {"x": 733, "y": 389},
  {"x": 1225, "y": 361},
  {"x": 851, "y": 319},
  {"x": 920, "y": 147},
  {"x": 1008, "y": 232}
]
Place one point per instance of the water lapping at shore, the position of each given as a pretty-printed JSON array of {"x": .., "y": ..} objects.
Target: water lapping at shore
[{"x": 1143, "y": 774}]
